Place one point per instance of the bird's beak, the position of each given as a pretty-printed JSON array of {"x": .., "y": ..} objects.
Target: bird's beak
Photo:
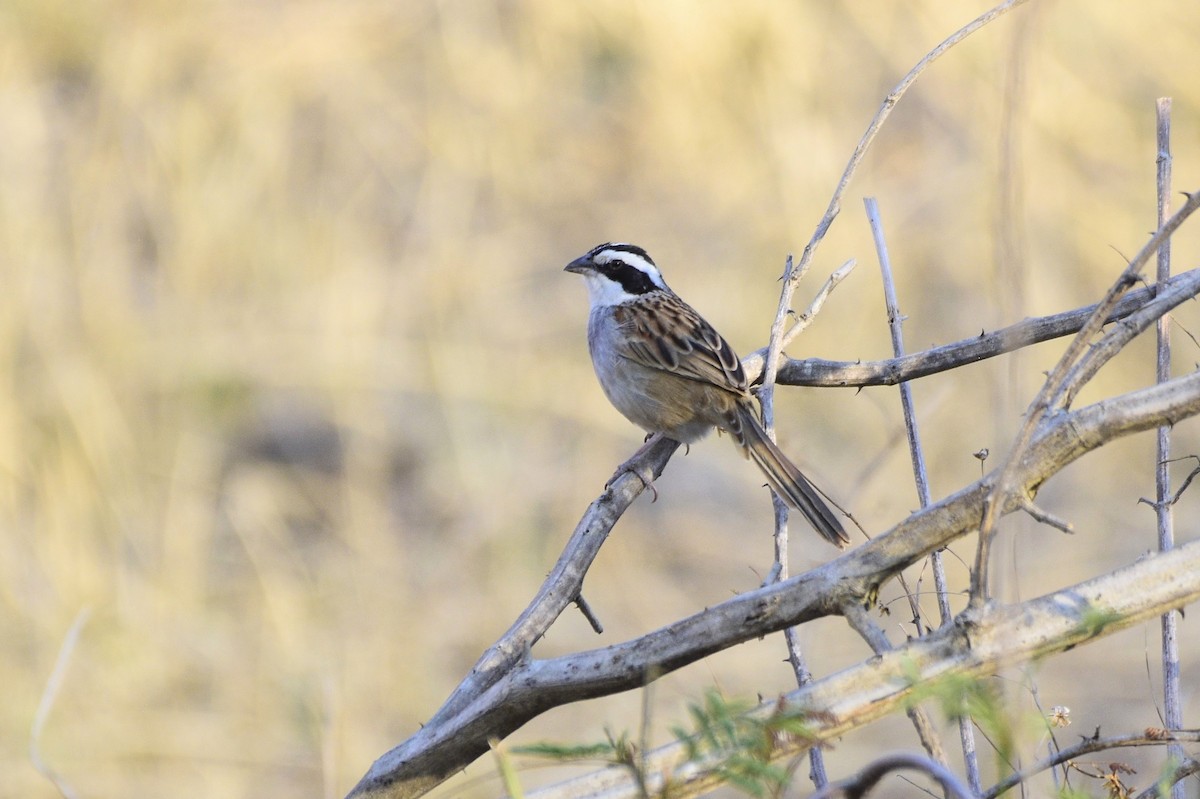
[{"x": 580, "y": 266}]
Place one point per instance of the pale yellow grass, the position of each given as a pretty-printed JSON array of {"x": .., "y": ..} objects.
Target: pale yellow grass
[{"x": 297, "y": 397}]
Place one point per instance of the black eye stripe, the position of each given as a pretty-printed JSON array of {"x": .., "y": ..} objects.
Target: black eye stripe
[{"x": 632, "y": 279}]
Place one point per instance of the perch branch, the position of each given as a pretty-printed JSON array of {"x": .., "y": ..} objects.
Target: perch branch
[{"x": 509, "y": 687}]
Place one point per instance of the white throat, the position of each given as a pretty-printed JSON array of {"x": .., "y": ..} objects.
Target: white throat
[{"x": 603, "y": 292}]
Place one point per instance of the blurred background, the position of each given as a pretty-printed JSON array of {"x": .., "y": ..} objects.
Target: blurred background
[{"x": 298, "y": 407}]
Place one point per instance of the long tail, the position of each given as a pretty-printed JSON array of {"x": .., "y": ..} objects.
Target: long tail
[{"x": 787, "y": 481}]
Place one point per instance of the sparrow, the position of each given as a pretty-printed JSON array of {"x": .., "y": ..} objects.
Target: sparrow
[{"x": 668, "y": 371}]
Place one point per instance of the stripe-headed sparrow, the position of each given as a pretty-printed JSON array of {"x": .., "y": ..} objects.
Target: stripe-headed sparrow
[{"x": 668, "y": 371}]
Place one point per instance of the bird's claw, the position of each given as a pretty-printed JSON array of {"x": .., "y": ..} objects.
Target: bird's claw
[{"x": 646, "y": 478}]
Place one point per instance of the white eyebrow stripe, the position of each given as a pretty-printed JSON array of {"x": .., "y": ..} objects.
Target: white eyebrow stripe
[{"x": 643, "y": 264}]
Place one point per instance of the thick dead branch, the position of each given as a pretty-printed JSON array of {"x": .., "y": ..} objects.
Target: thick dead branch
[
  {"x": 980, "y": 642},
  {"x": 509, "y": 687}
]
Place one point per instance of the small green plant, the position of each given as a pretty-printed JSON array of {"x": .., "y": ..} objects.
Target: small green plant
[
  {"x": 967, "y": 696},
  {"x": 724, "y": 738},
  {"x": 739, "y": 746}
]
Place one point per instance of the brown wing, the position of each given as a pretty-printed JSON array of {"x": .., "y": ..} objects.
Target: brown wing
[{"x": 664, "y": 332}]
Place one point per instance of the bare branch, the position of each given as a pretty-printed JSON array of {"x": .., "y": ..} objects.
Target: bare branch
[
  {"x": 1067, "y": 377},
  {"x": 1080, "y": 362},
  {"x": 561, "y": 588},
  {"x": 885, "y": 110},
  {"x": 766, "y": 395},
  {"x": 982, "y": 641},
  {"x": 49, "y": 695},
  {"x": 593, "y": 620},
  {"x": 869, "y": 777},
  {"x": 818, "y": 302},
  {"x": 925, "y": 729},
  {"x": 820, "y": 372},
  {"x": 1089, "y": 745},
  {"x": 1163, "y": 509},
  {"x": 509, "y": 687},
  {"x": 895, "y": 321},
  {"x": 1046, "y": 518}
]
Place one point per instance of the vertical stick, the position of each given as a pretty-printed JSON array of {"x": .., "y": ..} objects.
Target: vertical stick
[
  {"x": 766, "y": 396},
  {"x": 1163, "y": 512},
  {"x": 917, "y": 453}
]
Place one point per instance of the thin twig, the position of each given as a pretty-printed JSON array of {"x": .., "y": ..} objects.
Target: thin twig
[
  {"x": 589, "y": 614},
  {"x": 818, "y": 301},
  {"x": 1163, "y": 510},
  {"x": 885, "y": 110},
  {"x": 1045, "y": 517},
  {"x": 777, "y": 341},
  {"x": 1052, "y": 740},
  {"x": 766, "y": 396},
  {"x": 49, "y": 695},
  {"x": 1085, "y": 359},
  {"x": 1087, "y": 746},
  {"x": 915, "y": 451},
  {"x": 920, "y": 472},
  {"x": 562, "y": 585},
  {"x": 857, "y": 617}
]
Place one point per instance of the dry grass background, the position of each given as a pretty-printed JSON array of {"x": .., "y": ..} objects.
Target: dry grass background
[{"x": 297, "y": 398}]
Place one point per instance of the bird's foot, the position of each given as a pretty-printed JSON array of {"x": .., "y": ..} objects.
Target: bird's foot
[
  {"x": 643, "y": 475},
  {"x": 640, "y": 471}
]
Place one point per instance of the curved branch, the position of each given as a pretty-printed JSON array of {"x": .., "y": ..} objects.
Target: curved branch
[
  {"x": 881, "y": 115},
  {"x": 869, "y": 777},
  {"x": 561, "y": 588}
]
